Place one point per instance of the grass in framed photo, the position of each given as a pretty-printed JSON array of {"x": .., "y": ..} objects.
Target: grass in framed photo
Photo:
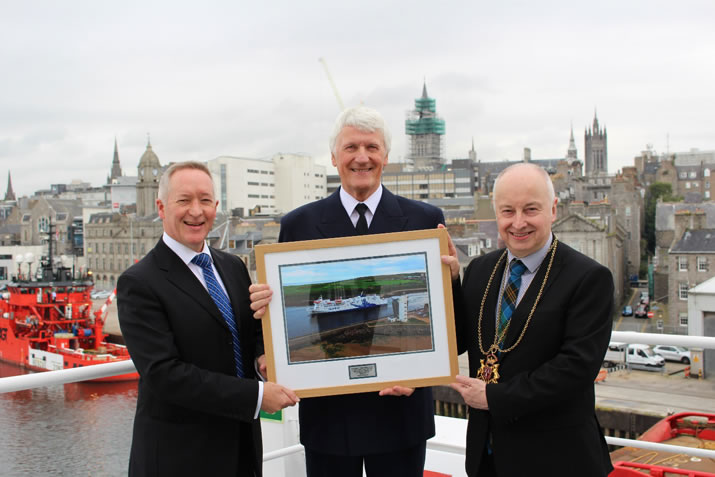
[
  {"x": 356, "y": 314},
  {"x": 357, "y": 307}
]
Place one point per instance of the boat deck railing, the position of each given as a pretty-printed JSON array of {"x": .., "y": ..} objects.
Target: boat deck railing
[{"x": 444, "y": 442}]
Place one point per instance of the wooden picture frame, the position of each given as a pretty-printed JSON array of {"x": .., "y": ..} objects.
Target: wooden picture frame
[{"x": 358, "y": 314}]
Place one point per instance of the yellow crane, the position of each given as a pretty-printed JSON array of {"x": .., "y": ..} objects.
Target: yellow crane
[{"x": 332, "y": 83}]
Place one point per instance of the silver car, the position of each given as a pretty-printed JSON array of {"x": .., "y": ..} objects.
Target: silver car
[{"x": 673, "y": 353}]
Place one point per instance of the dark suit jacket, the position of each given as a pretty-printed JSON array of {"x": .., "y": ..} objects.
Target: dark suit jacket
[
  {"x": 194, "y": 416},
  {"x": 365, "y": 423},
  {"x": 541, "y": 412}
]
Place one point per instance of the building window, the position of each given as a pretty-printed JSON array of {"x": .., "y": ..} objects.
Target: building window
[
  {"x": 683, "y": 291},
  {"x": 683, "y": 175},
  {"x": 683, "y": 318},
  {"x": 706, "y": 172},
  {"x": 682, "y": 264},
  {"x": 628, "y": 211},
  {"x": 702, "y": 264},
  {"x": 707, "y": 194},
  {"x": 693, "y": 174},
  {"x": 687, "y": 185}
]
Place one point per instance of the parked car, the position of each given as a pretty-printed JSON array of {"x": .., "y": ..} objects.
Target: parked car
[
  {"x": 673, "y": 353},
  {"x": 627, "y": 311},
  {"x": 100, "y": 294},
  {"x": 641, "y": 311},
  {"x": 637, "y": 356}
]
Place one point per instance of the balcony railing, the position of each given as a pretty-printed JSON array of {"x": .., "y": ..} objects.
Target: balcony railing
[{"x": 438, "y": 443}]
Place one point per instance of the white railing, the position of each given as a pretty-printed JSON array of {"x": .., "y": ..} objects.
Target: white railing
[
  {"x": 29, "y": 381},
  {"x": 663, "y": 339}
]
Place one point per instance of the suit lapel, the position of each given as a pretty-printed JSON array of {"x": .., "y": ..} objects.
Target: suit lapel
[
  {"x": 334, "y": 221},
  {"x": 388, "y": 215},
  {"x": 492, "y": 302},
  {"x": 179, "y": 274},
  {"x": 521, "y": 314}
]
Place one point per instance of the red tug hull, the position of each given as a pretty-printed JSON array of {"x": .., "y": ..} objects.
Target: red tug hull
[{"x": 49, "y": 325}]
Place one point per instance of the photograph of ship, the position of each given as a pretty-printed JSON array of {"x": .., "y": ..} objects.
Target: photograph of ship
[{"x": 357, "y": 307}]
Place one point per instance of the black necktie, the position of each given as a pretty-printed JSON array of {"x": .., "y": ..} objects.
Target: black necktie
[{"x": 361, "y": 226}]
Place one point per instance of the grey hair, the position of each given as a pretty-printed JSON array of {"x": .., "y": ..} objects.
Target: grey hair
[
  {"x": 547, "y": 179},
  {"x": 178, "y": 166},
  {"x": 364, "y": 119}
]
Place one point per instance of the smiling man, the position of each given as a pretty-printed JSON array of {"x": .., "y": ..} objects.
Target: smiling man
[
  {"x": 535, "y": 318},
  {"x": 385, "y": 432},
  {"x": 184, "y": 314}
]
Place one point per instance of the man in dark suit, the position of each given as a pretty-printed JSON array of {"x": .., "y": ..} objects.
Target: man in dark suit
[
  {"x": 536, "y": 336},
  {"x": 387, "y": 431},
  {"x": 184, "y": 314}
]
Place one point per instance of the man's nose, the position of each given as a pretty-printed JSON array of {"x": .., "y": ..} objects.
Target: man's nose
[
  {"x": 195, "y": 208},
  {"x": 362, "y": 153},
  {"x": 519, "y": 220}
]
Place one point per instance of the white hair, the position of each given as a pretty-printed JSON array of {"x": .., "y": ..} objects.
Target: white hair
[{"x": 364, "y": 119}]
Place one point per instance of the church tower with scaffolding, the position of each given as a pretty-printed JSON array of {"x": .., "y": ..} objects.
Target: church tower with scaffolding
[{"x": 425, "y": 131}]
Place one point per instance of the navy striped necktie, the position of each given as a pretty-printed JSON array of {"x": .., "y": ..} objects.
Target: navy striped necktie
[{"x": 203, "y": 260}]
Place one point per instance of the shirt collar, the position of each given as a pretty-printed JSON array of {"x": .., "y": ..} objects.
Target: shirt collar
[
  {"x": 534, "y": 260},
  {"x": 184, "y": 252},
  {"x": 349, "y": 202}
]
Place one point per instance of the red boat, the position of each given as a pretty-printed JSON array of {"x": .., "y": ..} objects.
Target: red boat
[
  {"x": 48, "y": 324},
  {"x": 689, "y": 429}
]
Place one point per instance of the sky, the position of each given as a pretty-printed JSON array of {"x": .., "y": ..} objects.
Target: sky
[
  {"x": 326, "y": 272},
  {"x": 213, "y": 78}
]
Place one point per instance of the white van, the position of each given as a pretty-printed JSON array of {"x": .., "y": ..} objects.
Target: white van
[{"x": 637, "y": 356}]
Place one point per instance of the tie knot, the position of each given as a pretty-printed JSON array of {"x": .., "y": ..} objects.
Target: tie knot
[
  {"x": 517, "y": 268},
  {"x": 202, "y": 260},
  {"x": 361, "y": 208}
]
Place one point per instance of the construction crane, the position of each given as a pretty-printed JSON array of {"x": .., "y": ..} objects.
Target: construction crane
[{"x": 332, "y": 83}]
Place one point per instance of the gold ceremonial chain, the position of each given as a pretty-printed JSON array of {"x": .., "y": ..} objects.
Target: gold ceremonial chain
[{"x": 489, "y": 371}]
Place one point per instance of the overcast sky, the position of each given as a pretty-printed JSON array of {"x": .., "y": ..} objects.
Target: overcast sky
[{"x": 243, "y": 78}]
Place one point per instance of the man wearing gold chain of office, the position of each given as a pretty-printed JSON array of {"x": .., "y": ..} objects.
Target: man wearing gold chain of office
[{"x": 536, "y": 332}]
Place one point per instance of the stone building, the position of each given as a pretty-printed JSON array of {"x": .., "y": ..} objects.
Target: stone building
[
  {"x": 672, "y": 219},
  {"x": 148, "y": 184},
  {"x": 594, "y": 231},
  {"x": 691, "y": 262},
  {"x": 115, "y": 241}
]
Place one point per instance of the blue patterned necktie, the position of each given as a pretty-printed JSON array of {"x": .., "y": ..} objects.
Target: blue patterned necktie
[
  {"x": 223, "y": 303},
  {"x": 511, "y": 292}
]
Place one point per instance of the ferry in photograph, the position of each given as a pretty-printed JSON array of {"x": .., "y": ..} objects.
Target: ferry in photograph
[
  {"x": 48, "y": 324},
  {"x": 323, "y": 306}
]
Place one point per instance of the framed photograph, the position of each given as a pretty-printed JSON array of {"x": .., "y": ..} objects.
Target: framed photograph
[{"x": 358, "y": 314}]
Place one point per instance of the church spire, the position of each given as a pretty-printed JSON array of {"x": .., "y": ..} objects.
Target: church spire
[
  {"x": 424, "y": 89},
  {"x": 116, "y": 167},
  {"x": 572, "y": 153},
  {"x": 10, "y": 194}
]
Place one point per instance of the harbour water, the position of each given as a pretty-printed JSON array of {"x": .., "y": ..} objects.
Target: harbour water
[{"x": 78, "y": 429}]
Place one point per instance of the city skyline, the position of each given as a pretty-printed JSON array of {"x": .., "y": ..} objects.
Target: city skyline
[{"x": 229, "y": 79}]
